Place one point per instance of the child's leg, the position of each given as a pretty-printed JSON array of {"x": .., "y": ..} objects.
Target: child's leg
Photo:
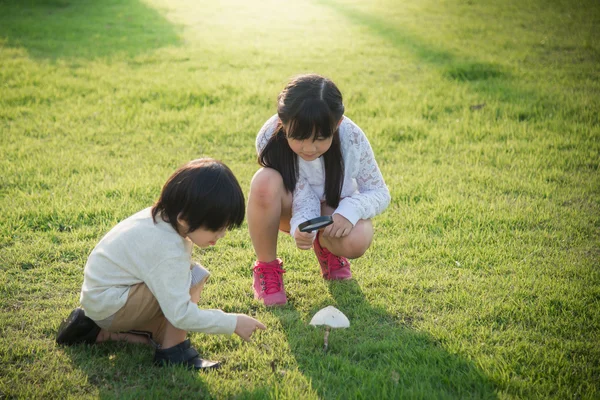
[
  {"x": 142, "y": 313},
  {"x": 269, "y": 209},
  {"x": 175, "y": 348},
  {"x": 106, "y": 336},
  {"x": 196, "y": 290},
  {"x": 352, "y": 246},
  {"x": 173, "y": 336}
]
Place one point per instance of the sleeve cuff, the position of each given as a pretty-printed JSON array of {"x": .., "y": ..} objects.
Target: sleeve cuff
[
  {"x": 230, "y": 323},
  {"x": 346, "y": 210},
  {"x": 293, "y": 227},
  {"x": 199, "y": 274}
]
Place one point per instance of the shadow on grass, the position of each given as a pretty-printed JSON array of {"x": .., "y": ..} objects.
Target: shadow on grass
[
  {"x": 494, "y": 81},
  {"x": 121, "y": 370},
  {"x": 452, "y": 67},
  {"x": 88, "y": 29},
  {"x": 378, "y": 356}
]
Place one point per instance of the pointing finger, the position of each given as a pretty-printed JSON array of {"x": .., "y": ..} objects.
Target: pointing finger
[{"x": 261, "y": 326}]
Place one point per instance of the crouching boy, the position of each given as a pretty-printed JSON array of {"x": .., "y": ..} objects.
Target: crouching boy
[{"x": 140, "y": 284}]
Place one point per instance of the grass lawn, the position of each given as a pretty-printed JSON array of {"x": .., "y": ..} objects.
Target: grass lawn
[{"x": 483, "y": 278}]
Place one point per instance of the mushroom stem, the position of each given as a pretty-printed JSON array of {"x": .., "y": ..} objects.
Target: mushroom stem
[{"x": 327, "y": 329}]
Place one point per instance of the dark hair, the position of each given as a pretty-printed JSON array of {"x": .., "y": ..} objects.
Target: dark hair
[
  {"x": 204, "y": 193},
  {"x": 310, "y": 106}
]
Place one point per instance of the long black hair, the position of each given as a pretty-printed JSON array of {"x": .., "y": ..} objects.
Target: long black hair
[
  {"x": 204, "y": 193},
  {"x": 310, "y": 106}
]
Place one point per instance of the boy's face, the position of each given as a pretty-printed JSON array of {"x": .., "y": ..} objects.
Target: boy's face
[
  {"x": 200, "y": 237},
  {"x": 204, "y": 238}
]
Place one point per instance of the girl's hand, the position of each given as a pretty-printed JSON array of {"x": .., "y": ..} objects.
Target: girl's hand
[
  {"x": 246, "y": 326},
  {"x": 304, "y": 240},
  {"x": 341, "y": 227}
]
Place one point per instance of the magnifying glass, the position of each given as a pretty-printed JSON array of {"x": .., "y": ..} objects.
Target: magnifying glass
[{"x": 315, "y": 223}]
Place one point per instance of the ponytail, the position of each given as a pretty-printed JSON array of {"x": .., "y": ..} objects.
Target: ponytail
[{"x": 278, "y": 155}]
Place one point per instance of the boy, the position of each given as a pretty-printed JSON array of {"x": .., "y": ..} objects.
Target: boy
[{"x": 140, "y": 284}]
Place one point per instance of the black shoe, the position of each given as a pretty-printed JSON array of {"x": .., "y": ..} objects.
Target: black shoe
[
  {"x": 183, "y": 354},
  {"x": 77, "y": 328}
]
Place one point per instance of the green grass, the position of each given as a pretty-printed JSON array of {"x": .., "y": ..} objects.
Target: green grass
[{"x": 482, "y": 281}]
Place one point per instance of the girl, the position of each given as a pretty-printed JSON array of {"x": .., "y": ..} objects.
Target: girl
[
  {"x": 315, "y": 161},
  {"x": 140, "y": 278}
]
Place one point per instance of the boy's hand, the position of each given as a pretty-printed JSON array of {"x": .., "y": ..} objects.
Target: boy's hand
[
  {"x": 304, "y": 240},
  {"x": 341, "y": 227},
  {"x": 246, "y": 326}
]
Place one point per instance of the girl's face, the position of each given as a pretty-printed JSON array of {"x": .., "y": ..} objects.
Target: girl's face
[
  {"x": 310, "y": 149},
  {"x": 201, "y": 237}
]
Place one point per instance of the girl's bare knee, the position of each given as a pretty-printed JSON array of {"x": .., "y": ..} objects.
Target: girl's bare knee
[
  {"x": 266, "y": 187},
  {"x": 356, "y": 248},
  {"x": 359, "y": 240}
]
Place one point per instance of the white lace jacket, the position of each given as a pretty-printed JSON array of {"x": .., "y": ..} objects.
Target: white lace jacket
[{"x": 364, "y": 193}]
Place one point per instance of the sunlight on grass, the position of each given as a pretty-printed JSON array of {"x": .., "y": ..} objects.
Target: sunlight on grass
[{"x": 482, "y": 279}]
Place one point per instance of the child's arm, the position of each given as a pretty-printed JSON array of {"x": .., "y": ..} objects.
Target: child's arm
[
  {"x": 373, "y": 195},
  {"x": 246, "y": 326},
  {"x": 305, "y": 205},
  {"x": 169, "y": 281}
]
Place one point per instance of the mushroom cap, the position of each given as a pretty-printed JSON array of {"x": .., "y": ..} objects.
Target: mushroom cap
[{"x": 331, "y": 317}]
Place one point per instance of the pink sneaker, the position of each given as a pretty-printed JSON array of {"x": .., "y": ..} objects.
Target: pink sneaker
[
  {"x": 332, "y": 266},
  {"x": 268, "y": 282}
]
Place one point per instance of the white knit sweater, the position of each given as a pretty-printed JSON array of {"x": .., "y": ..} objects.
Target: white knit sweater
[
  {"x": 138, "y": 250},
  {"x": 364, "y": 193}
]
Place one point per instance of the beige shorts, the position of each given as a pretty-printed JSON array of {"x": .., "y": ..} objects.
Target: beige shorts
[{"x": 142, "y": 312}]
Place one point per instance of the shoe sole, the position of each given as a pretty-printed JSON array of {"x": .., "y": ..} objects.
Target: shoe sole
[{"x": 269, "y": 305}]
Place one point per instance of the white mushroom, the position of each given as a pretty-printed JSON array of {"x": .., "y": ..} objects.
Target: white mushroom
[{"x": 331, "y": 317}]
